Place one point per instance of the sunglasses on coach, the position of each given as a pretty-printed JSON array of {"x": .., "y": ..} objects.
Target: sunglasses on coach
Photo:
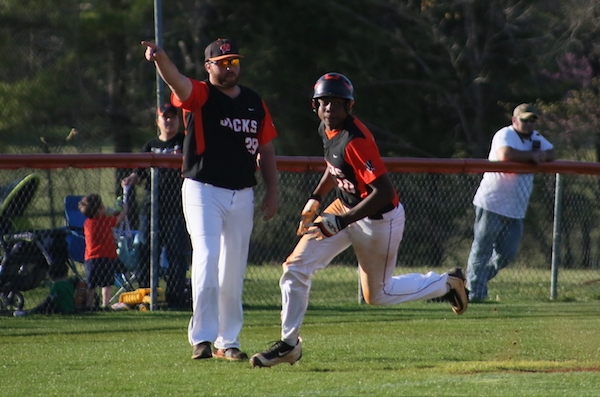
[{"x": 225, "y": 63}]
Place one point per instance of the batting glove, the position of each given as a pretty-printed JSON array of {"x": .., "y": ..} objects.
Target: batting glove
[
  {"x": 328, "y": 226},
  {"x": 309, "y": 213}
]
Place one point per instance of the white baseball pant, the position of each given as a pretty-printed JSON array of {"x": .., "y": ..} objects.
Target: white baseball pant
[
  {"x": 375, "y": 243},
  {"x": 219, "y": 222}
]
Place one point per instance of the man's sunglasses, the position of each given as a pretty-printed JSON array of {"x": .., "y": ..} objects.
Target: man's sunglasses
[{"x": 225, "y": 63}]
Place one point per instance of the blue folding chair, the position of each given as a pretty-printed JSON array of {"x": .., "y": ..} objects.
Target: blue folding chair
[{"x": 74, "y": 219}]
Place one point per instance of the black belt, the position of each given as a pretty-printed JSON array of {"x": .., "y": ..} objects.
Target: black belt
[{"x": 384, "y": 210}]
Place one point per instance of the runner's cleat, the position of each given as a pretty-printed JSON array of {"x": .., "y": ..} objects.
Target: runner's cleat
[{"x": 279, "y": 353}]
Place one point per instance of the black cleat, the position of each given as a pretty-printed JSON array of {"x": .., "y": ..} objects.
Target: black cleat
[{"x": 279, "y": 353}]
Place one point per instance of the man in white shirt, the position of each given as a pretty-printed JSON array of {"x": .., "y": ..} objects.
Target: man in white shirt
[{"x": 501, "y": 200}]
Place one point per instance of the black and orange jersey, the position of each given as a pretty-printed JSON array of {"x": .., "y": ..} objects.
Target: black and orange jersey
[
  {"x": 169, "y": 178},
  {"x": 353, "y": 159},
  {"x": 222, "y": 135}
]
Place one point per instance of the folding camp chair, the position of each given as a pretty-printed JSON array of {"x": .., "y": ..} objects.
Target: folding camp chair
[{"x": 74, "y": 219}]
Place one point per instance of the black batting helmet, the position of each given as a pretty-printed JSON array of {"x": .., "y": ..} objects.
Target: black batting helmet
[{"x": 335, "y": 85}]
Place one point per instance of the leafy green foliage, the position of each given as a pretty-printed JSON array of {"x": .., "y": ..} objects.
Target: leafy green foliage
[{"x": 434, "y": 78}]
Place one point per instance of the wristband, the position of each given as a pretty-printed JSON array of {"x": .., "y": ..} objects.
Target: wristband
[
  {"x": 315, "y": 197},
  {"x": 342, "y": 224}
]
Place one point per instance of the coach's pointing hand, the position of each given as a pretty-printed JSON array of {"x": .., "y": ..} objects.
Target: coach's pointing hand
[
  {"x": 152, "y": 51},
  {"x": 179, "y": 84}
]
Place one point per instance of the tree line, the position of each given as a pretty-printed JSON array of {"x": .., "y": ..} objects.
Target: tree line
[{"x": 434, "y": 78}]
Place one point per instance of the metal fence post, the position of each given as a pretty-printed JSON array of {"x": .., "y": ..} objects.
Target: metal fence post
[
  {"x": 158, "y": 37},
  {"x": 556, "y": 238},
  {"x": 154, "y": 232}
]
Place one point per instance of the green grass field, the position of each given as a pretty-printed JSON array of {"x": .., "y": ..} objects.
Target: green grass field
[{"x": 416, "y": 349}]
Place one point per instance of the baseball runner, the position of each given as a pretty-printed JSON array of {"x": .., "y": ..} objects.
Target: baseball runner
[
  {"x": 366, "y": 214},
  {"x": 227, "y": 127}
]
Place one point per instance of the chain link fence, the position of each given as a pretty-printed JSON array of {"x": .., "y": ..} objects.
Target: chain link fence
[{"x": 438, "y": 233}]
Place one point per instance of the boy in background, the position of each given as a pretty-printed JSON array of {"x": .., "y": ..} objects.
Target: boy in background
[
  {"x": 100, "y": 258},
  {"x": 61, "y": 299}
]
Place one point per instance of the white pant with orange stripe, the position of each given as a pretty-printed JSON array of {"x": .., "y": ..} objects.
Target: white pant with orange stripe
[
  {"x": 375, "y": 243},
  {"x": 219, "y": 222}
]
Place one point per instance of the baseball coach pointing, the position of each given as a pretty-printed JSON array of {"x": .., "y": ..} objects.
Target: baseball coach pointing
[{"x": 227, "y": 126}]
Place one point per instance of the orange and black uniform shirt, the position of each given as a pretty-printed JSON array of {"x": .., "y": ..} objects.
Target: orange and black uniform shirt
[
  {"x": 353, "y": 159},
  {"x": 222, "y": 135}
]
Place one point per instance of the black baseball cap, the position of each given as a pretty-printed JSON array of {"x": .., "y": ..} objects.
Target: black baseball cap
[
  {"x": 221, "y": 49},
  {"x": 166, "y": 108}
]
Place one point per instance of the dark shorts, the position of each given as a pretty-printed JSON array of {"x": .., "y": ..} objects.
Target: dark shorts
[{"x": 100, "y": 272}]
